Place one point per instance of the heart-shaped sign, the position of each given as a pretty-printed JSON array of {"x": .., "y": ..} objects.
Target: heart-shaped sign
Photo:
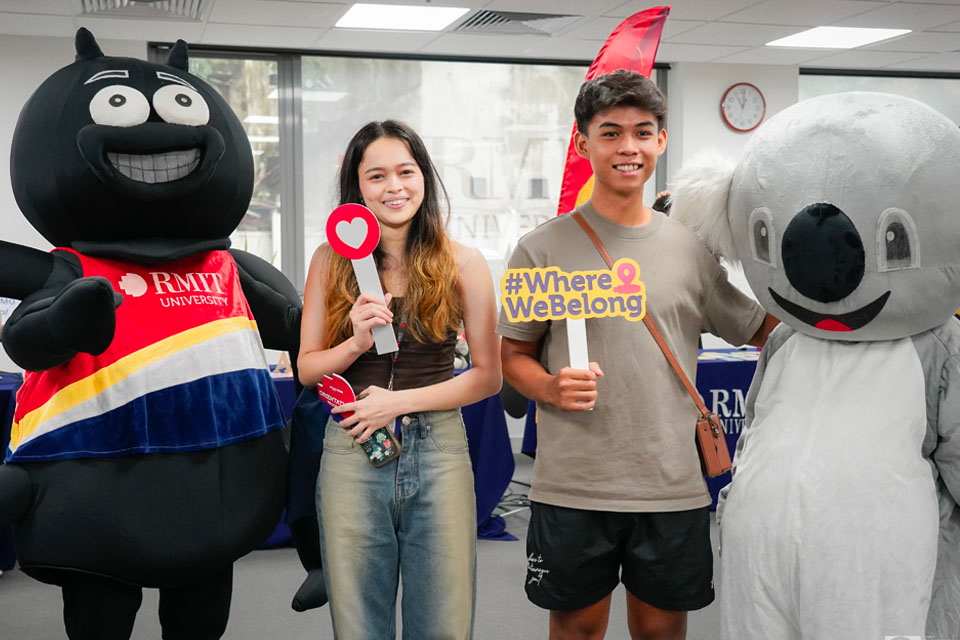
[{"x": 353, "y": 231}]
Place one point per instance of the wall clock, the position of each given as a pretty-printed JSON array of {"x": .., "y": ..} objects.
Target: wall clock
[{"x": 743, "y": 107}]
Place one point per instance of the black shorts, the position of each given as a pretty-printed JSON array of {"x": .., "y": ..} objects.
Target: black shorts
[{"x": 574, "y": 557}]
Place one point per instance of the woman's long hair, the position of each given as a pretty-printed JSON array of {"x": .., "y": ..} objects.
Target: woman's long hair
[{"x": 432, "y": 296}]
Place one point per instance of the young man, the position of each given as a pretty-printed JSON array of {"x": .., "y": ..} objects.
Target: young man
[{"x": 619, "y": 487}]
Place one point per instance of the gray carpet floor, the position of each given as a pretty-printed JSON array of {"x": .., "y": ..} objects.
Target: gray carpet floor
[{"x": 265, "y": 581}]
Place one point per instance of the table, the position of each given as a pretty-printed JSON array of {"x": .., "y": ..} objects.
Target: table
[
  {"x": 9, "y": 383},
  {"x": 723, "y": 378}
]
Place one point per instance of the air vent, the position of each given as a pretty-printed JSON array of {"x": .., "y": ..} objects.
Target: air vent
[
  {"x": 512, "y": 22},
  {"x": 145, "y": 9}
]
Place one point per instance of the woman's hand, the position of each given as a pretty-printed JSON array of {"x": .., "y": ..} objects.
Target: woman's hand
[
  {"x": 375, "y": 408},
  {"x": 368, "y": 312}
]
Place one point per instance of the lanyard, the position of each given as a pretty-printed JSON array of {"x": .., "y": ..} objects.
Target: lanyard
[{"x": 396, "y": 354}]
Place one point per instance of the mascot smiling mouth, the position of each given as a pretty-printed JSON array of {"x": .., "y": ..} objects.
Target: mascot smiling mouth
[
  {"x": 153, "y": 160},
  {"x": 839, "y": 322},
  {"x": 156, "y": 167}
]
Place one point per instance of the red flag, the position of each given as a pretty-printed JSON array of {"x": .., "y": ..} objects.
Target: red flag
[{"x": 632, "y": 46}]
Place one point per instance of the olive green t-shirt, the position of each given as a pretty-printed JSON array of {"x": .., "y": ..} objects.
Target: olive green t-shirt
[{"x": 636, "y": 450}]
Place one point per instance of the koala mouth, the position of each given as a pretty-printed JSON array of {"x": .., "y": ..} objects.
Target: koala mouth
[
  {"x": 157, "y": 167},
  {"x": 839, "y": 322}
]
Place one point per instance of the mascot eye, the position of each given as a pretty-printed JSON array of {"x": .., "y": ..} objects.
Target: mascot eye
[
  {"x": 178, "y": 104},
  {"x": 762, "y": 238},
  {"x": 897, "y": 246},
  {"x": 119, "y": 106}
]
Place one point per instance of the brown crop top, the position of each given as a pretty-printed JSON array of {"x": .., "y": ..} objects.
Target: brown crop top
[{"x": 419, "y": 364}]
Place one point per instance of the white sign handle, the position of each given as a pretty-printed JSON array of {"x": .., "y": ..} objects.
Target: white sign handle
[
  {"x": 577, "y": 343},
  {"x": 366, "y": 271}
]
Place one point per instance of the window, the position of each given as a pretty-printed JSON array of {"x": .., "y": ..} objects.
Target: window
[
  {"x": 250, "y": 88},
  {"x": 943, "y": 94},
  {"x": 498, "y": 133}
]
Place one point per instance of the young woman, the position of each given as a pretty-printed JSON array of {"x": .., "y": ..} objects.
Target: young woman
[{"x": 415, "y": 516}]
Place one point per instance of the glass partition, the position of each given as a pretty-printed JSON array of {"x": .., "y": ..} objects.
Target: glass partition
[
  {"x": 498, "y": 134},
  {"x": 250, "y": 88},
  {"x": 943, "y": 94}
]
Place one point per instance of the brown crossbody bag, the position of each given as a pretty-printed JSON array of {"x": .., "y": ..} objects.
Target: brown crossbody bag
[{"x": 714, "y": 455}]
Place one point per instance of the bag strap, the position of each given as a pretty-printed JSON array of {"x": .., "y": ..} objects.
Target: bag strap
[{"x": 647, "y": 320}]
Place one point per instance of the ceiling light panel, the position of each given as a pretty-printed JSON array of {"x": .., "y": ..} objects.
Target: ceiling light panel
[
  {"x": 836, "y": 37},
  {"x": 399, "y": 17}
]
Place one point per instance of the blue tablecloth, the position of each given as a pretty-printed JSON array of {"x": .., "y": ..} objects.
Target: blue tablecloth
[
  {"x": 723, "y": 378},
  {"x": 492, "y": 460},
  {"x": 9, "y": 383}
]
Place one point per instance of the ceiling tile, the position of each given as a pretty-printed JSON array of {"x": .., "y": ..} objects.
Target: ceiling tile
[
  {"x": 375, "y": 40},
  {"x": 675, "y": 27},
  {"x": 733, "y": 34},
  {"x": 571, "y": 7},
  {"x": 923, "y": 41},
  {"x": 257, "y": 36},
  {"x": 809, "y": 13},
  {"x": 953, "y": 27},
  {"x": 277, "y": 14},
  {"x": 25, "y": 24},
  {"x": 49, "y": 7},
  {"x": 594, "y": 29},
  {"x": 554, "y": 49},
  {"x": 861, "y": 58},
  {"x": 688, "y": 9},
  {"x": 675, "y": 52},
  {"x": 941, "y": 62},
  {"x": 774, "y": 55},
  {"x": 472, "y": 4},
  {"x": 483, "y": 45},
  {"x": 146, "y": 30},
  {"x": 915, "y": 16}
]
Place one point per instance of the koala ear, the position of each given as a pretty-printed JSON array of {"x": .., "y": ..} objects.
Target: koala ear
[{"x": 698, "y": 198}]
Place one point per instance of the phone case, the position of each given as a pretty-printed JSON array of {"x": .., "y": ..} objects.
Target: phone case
[{"x": 381, "y": 447}]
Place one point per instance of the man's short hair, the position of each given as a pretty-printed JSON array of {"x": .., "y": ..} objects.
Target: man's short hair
[{"x": 620, "y": 88}]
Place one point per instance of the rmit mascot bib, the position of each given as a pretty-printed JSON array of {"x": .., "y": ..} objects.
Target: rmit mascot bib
[
  {"x": 145, "y": 449},
  {"x": 841, "y": 520}
]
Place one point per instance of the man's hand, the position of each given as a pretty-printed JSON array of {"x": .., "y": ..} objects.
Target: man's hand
[
  {"x": 760, "y": 337},
  {"x": 574, "y": 389}
]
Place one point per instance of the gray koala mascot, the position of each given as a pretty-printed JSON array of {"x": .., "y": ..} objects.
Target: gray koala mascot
[{"x": 841, "y": 520}]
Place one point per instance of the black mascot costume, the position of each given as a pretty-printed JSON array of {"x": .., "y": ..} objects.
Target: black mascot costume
[{"x": 146, "y": 449}]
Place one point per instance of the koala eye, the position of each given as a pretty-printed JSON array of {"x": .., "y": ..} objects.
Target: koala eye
[
  {"x": 897, "y": 246},
  {"x": 178, "y": 104},
  {"x": 762, "y": 236},
  {"x": 119, "y": 106}
]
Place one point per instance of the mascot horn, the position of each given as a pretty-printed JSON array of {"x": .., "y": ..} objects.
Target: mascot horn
[
  {"x": 841, "y": 520},
  {"x": 146, "y": 448}
]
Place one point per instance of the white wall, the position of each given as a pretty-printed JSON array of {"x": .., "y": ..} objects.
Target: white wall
[
  {"x": 694, "y": 121},
  {"x": 24, "y": 63}
]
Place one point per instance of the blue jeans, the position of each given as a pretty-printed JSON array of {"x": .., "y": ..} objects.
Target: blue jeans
[{"x": 414, "y": 518}]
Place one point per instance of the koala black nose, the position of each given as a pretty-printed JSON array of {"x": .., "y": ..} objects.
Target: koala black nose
[{"x": 822, "y": 253}]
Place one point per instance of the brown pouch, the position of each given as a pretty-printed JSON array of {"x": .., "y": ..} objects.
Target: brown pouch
[{"x": 714, "y": 455}]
